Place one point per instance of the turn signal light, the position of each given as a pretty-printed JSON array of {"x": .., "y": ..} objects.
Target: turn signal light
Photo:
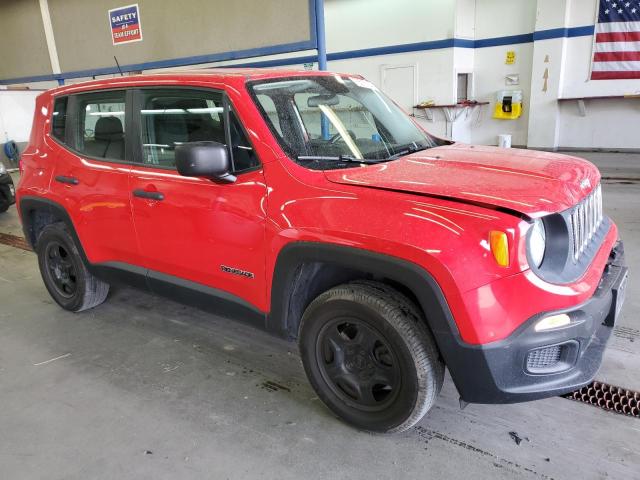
[
  {"x": 554, "y": 321},
  {"x": 499, "y": 247}
]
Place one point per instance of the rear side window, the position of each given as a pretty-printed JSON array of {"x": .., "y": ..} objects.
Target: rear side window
[
  {"x": 171, "y": 117},
  {"x": 59, "y": 119},
  {"x": 100, "y": 124}
]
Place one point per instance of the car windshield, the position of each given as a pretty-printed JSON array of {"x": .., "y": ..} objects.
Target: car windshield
[{"x": 337, "y": 121}]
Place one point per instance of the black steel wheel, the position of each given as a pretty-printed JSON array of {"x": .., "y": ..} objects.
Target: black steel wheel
[
  {"x": 60, "y": 269},
  {"x": 64, "y": 273},
  {"x": 358, "y": 364},
  {"x": 370, "y": 357}
]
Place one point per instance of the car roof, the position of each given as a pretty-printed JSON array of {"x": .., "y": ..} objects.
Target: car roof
[{"x": 215, "y": 75}]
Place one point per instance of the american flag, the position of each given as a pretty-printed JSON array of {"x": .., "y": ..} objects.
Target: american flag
[{"x": 617, "y": 49}]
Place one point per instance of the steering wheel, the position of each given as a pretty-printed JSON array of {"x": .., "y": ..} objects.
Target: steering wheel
[{"x": 338, "y": 137}]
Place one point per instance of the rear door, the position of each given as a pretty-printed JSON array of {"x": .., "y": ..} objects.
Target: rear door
[
  {"x": 193, "y": 231},
  {"x": 91, "y": 173}
]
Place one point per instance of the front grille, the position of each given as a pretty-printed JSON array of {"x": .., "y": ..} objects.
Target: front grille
[{"x": 586, "y": 217}]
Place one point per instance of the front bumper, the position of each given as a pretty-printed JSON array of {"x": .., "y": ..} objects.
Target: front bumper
[
  {"x": 7, "y": 190},
  {"x": 503, "y": 371}
]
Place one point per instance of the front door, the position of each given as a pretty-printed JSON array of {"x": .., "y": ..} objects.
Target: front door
[{"x": 195, "y": 232}]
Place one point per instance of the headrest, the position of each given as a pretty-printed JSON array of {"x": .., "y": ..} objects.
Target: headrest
[{"x": 108, "y": 128}]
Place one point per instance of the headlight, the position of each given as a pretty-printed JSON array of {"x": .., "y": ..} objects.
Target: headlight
[
  {"x": 537, "y": 242},
  {"x": 3, "y": 169}
]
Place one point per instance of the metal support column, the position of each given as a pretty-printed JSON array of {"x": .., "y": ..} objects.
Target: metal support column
[
  {"x": 320, "y": 35},
  {"x": 322, "y": 57}
]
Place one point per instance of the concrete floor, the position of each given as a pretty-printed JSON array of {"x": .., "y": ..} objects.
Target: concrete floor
[{"x": 141, "y": 387}]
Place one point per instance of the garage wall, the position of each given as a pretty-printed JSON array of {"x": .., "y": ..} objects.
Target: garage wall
[
  {"x": 23, "y": 48},
  {"x": 16, "y": 116},
  {"x": 420, "y": 25},
  {"x": 407, "y": 48},
  {"x": 497, "y": 19},
  {"x": 173, "y": 30},
  {"x": 609, "y": 123},
  {"x": 358, "y": 24}
]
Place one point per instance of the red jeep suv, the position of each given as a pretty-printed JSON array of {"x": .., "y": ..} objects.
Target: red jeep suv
[{"x": 310, "y": 205}]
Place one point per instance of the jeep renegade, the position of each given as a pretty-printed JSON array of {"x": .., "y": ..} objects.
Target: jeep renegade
[{"x": 310, "y": 205}]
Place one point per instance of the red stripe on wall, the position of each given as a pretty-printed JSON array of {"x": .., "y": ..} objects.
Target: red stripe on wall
[
  {"x": 618, "y": 37},
  {"x": 614, "y": 75},
  {"x": 615, "y": 56}
]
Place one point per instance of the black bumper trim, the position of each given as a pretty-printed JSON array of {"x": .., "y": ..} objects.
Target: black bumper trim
[{"x": 499, "y": 372}]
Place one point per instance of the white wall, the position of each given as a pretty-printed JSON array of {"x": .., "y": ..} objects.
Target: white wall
[
  {"x": 357, "y": 24},
  {"x": 609, "y": 123},
  {"x": 16, "y": 114},
  {"x": 501, "y": 18}
]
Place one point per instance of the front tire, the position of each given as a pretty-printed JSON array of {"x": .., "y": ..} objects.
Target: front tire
[
  {"x": 370, "y": 357},
  {"x": 64, "y": 273}
]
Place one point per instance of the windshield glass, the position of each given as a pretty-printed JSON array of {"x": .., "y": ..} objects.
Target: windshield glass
[{"x": 336, "y": 120}]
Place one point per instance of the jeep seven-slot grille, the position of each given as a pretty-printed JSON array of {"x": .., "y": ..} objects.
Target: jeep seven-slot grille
[{"x": 585, "y": 220}]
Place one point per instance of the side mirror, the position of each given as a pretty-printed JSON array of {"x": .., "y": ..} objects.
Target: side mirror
[{"x": 204, "y": 159}]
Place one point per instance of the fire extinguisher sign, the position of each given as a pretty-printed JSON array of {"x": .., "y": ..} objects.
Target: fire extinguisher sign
[{"x": 125, "y": 24}]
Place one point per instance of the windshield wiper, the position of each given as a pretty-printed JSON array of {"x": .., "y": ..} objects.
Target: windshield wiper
[
  {"x": 406, "y": 150},
  {"x": 339, "y": 158}
]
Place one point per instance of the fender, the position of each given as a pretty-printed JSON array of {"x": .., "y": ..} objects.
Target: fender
[
  {"x": 421, "y": 284},
  {"x": 113, "y": 272},
  {"x": 110, "y": 273},
  {"x": 456, "y": 353},
  {"x": 53, "y": 210}
]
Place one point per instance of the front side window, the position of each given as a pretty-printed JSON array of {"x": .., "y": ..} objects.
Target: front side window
[
  {"x": 59, "y": 119},
  {"x": 100, "y": 123},
  {"x": 171, "y": 117},
  {"x": 334, "y": 121}
]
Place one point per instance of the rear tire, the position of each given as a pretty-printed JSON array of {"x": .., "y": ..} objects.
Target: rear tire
[
  {"x": 64, "y": 273},
  {"x": 370, "y": 357}
]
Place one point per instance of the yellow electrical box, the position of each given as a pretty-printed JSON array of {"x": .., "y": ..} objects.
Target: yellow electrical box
[
  {"x": 512, "y": 114},
  {"x": 508, "y": 105}
]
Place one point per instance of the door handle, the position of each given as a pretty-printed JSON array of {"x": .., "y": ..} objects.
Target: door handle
[
  {"x": 67, "y": 180},
  {"x": 149, "y": 195}
]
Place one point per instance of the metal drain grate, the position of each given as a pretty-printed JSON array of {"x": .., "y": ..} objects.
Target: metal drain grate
[
  {"x": 608, "y": 397},
  {"x": 14, "y": 241}
]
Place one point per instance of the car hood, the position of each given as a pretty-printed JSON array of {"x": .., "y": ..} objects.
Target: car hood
[{"x": 529, "y": 182}]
